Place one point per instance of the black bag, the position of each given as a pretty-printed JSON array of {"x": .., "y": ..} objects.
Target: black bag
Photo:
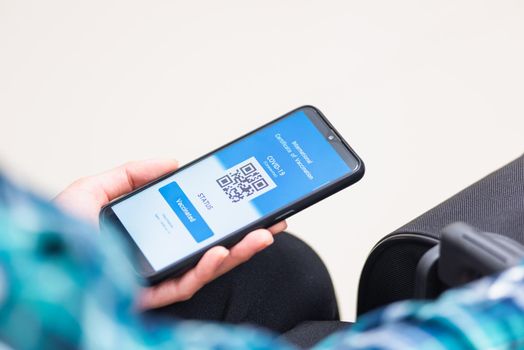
[{"x": 493, "y": 204}]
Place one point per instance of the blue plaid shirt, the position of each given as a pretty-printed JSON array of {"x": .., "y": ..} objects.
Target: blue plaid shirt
[{"x": 63, "y": 286}]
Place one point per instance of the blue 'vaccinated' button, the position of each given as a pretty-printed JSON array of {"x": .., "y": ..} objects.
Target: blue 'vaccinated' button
[{"x": 186, "y": 212}]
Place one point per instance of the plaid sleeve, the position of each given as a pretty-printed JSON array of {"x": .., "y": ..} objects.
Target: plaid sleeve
[
  {"x": 486, "y": 314},
  {"x": 62, "y": 286}
]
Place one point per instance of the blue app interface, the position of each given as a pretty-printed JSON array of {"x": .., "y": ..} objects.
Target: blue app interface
[{"x": 230, "y": 189}]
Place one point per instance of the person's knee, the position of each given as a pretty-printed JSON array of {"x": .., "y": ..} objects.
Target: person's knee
[
  {"x": 280, "y": 287},
  {"x": 305, "y": 276}
]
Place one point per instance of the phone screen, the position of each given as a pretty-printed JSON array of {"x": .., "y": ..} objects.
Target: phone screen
[{"x": 231, "y": 188}]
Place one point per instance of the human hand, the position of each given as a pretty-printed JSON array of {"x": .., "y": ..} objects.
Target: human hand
[{"x": 86, "y": 196}]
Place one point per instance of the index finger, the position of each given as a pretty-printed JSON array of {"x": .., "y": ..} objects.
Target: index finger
[{"x": 125, "y": 178}]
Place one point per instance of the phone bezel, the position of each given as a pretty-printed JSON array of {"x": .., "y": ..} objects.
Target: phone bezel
[{"x": 151, "y": 276}]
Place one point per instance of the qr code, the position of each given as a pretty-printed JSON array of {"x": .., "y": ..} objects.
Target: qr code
[{"x": 246, "y": 180}]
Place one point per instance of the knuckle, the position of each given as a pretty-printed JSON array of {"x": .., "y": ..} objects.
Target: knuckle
[
  {"x": 80, "y": 182},
  {"x": 186, "y": 296}
]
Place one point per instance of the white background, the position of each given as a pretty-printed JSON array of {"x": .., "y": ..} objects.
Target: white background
[{"x": 429, "y": 93}]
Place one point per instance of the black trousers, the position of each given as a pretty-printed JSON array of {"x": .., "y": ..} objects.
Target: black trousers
[{"x": 285, "y": 288}]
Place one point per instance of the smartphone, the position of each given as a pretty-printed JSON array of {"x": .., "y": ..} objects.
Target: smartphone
[{"x": 252, "y": 182}]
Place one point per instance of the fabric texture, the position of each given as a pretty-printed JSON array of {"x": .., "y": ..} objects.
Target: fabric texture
[
  {"x": 493, "y": 204},
  {"x": 61, "y": 286},
  {"x": 309, "y": 333},
  {"x": 279, "y": 288}
]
